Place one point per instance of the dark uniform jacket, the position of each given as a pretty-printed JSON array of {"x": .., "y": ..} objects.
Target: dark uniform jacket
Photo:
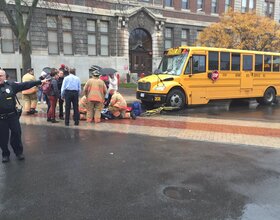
[{"x": 8, "y": 91}]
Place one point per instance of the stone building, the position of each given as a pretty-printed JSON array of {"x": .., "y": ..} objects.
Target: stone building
[{"x": 128, "y": 35}]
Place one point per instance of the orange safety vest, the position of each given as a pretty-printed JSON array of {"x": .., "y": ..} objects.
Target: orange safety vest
[
  {"x": 118, "y": 101},
  {"x": 95, "y": 90}
]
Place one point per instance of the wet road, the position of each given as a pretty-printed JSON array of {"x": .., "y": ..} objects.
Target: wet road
[
  {"x": 80, "y": 174},
  {"x": 240, "y": 110}
]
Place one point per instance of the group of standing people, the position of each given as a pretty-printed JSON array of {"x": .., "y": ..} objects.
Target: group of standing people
[
  {"x": 97, "y": 95},
  {"x": 64, "y": 87}
]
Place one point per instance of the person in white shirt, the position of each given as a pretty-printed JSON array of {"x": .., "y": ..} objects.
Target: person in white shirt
[{"x": 113, "y": 84}]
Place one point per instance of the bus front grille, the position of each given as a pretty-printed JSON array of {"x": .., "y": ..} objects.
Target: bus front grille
[{"x": 144, "y": 86}]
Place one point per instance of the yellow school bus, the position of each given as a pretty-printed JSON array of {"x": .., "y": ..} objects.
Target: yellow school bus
[{"x": 196, "y": 75}]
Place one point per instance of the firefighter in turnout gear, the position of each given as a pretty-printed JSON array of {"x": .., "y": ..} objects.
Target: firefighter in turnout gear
[
  {"x": 9, "y": 118},
  {"x": 95, "y": 90}
]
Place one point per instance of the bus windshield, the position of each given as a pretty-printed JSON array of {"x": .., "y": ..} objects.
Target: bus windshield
[{"x": 172, "y": 64}]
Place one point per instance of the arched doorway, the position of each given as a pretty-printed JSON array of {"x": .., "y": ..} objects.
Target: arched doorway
[{"x": 140, "y": 51}]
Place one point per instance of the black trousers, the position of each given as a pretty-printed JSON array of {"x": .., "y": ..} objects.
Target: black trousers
[
  {"x": 60, "y": 103},
  {"x": 72, "y": 96},
  {"x": 10, "y": 124}
]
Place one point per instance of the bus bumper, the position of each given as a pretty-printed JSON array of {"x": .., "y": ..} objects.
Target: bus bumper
[{"x": 148, "y": 97}]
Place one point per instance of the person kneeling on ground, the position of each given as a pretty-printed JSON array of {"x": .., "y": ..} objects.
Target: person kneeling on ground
[
  {"x": 83, "y": 108},
  {"x": 118, "y": 106}
]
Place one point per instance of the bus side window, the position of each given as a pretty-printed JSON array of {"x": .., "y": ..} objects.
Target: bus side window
[
  {"x": 213, "y": 61},
  {"x": 225, "y": 60},
  {"x": 247, "y": 62},
  {"x": 188, "y": 67},
  {"x": 258, "y": 62},
  {"x": 198, "y": 64},
  {"x": 276, "y": 62},
  {"x": 267, "y": 63},
  {"x": 235, "y": 61}
]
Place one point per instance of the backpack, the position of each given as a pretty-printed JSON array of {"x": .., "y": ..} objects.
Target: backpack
[
  {"x": 136, "y": 108},
  {"x": 46, "y": 88}
]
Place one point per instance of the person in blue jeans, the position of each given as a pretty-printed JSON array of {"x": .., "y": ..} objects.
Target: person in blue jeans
[{"x": 41, "y": 95}]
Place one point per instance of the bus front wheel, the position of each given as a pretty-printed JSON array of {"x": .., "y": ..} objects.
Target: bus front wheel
[
  {"x": 268, "y": 98},
  {"x": 176, "y": 98}
]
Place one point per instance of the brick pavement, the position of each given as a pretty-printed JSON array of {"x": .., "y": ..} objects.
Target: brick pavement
[{"x": 265, "y": 134}]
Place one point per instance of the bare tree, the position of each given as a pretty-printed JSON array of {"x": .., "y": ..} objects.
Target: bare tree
[{"x": 20, "y": 27}]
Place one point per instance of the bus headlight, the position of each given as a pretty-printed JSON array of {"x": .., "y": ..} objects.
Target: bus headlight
[{"x": 160, "y": 88}]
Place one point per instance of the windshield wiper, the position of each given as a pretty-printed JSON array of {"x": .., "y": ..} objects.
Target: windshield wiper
[{"x": 159, "y": 79}]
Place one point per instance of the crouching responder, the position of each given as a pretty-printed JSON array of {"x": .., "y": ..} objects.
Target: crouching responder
[
  {"x": 95, "y": 90},
  {"x": 118, "y": 106},
  {"x": 83, "y": 108},
  {"x": 9, "y": 118}
]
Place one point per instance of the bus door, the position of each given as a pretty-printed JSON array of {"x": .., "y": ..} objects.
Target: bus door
[
  {"x": 195, "y": 77},
  {"x": 247, "y": 72}
]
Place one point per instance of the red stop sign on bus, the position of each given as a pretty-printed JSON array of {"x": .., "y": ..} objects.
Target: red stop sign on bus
[{"x": 215, "y": 75}]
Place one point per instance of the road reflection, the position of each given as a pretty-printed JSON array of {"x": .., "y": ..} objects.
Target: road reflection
[{"x": 236, "y": 109}]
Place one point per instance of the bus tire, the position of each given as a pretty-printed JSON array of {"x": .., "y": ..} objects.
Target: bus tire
[
  {"x": 268, "y": 98},
  {"x": 176, "y": 98}
]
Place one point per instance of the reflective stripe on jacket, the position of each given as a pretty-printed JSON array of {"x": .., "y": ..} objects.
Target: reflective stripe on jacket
[
  {"x": 95, "y": 90},
  {"x": 118, "y": 101}
]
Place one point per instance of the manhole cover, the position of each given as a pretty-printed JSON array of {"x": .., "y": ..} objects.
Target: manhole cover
[{"x": 179, "y": 193}]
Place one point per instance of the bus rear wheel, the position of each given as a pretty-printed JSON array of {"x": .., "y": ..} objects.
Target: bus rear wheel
[
  {"x": 176, "y": 98},
  {"x": 268, "y": 98}
]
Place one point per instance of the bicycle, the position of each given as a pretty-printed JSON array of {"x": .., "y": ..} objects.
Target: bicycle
[{"x": 158, "y": 110}]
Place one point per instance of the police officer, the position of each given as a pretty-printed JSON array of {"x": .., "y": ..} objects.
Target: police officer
[{"x": 9, "y": 118}]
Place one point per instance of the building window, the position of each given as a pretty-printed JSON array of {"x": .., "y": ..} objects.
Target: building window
[
  {"x": 184, "y": 37},
  {"x": 79, "y": 2},
  {"x": 168, "y": 38},
  {"x": 243, "y": 6},
  {"x": 169, "y": 3},
  {"x": 185, "y": 4},
  {"x": 200, "y": 5},
  {"x": 214, "y": 6},
  {"x": 251, "y": 5},
  {"x": 7, "y": 41},
  {"x": 91, "y": 28},
  {"x": 52, "y": 35},
  {"x": 67, "y": 36},
  {"x": 227, "y": 5},
  {"x": 271, "y": 9},
  {"x": 104, "y": 43},
  {"x": 268, "y": 8},
  {"x": 157, "y": 2}
]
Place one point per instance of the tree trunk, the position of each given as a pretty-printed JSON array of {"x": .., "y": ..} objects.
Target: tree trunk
[{"x": 26, "y": 55}]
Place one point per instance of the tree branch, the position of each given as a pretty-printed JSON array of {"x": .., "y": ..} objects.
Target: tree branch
[{"x": 4, "y": 7}]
